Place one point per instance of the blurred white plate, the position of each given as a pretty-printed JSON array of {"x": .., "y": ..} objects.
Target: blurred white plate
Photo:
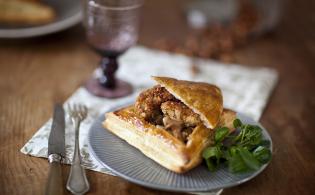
[{"x": 68, "y": 14}]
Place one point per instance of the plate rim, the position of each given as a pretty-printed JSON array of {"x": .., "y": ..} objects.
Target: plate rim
[
  {"x": 166, "y": 188},
  {"x": 45, "y": 29}
]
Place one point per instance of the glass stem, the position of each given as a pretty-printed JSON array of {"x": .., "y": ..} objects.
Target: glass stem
[{"x": 109, "y": 67}]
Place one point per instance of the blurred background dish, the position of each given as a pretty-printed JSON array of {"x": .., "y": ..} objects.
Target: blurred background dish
[
  {"x": 29, "y": 18},
  {"x": 203, "y": 13},
  {"x": 219, "y": 27}
]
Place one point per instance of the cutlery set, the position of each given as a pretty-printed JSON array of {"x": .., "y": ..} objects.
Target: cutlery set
[{"x": 77, "y": 182}]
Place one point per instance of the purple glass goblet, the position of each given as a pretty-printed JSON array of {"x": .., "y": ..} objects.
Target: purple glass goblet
[{"x": 111, "y": 28}]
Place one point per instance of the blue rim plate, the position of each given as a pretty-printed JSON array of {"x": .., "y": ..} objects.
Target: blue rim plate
[{"x": 129, "y": 163}]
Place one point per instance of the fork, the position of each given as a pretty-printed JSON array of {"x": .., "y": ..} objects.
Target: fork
[{"x": 77, "y": 182}]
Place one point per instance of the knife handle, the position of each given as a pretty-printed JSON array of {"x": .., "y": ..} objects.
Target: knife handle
[{"x": 54, "y": 184}]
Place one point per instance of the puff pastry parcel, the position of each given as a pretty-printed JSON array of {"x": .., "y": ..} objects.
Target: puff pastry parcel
[{"x": 172, "y": 122}]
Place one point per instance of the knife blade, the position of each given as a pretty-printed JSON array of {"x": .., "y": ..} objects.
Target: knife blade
[
  {"x": 56, "y": 151},
  {"x": 56, "y": 142}
]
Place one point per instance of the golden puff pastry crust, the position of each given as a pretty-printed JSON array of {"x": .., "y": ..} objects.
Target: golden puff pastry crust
[
  {"x": 227, "y": 118},
  {"x": 203, "y": 98},
  {"x": 157, "y": 143}
]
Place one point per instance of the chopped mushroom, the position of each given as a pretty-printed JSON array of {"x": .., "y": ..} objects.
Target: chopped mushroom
[{"x": 174, "y": 126}]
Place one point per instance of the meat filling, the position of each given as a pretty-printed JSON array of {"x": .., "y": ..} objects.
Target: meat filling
[
  {"x": 149, "y": 102},
  {"x": 177, "y": 128},
  {"x": 158, "y": 106},
  {"x": 180, "y": 112}
]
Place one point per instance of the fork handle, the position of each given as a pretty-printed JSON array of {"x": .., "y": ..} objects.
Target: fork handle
[
  {"x": 54, "y": 184},
  {"x": 77, "y": 182}
]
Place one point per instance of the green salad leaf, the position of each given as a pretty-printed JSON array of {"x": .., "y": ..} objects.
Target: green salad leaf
[
  {"x": 212, "y": 156},
  {"x": 211, "y": 165},
  {"x": 262, "y": 154},
  {"x": 236, "y": 164},
  {"x": 220, "y": 134},
  {"x": 237, "y": 123},
  {"x": 249, "y": 159},
  {"x": 242, "y": 151}
]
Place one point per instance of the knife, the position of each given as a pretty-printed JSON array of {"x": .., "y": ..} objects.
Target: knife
[{"x": 56, "y": 151}]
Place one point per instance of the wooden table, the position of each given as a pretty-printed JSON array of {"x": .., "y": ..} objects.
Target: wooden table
[{"x": 34, "y": 73}]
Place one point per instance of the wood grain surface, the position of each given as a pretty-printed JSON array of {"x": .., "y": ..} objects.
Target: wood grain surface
[{"x": 36, "y": 72}]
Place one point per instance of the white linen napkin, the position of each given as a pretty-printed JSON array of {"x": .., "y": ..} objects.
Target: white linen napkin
[{"x": 244, "y": 89}]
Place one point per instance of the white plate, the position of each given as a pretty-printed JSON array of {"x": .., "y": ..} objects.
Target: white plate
[
  {"x": 129, "y": 163},
  {"x": 68, "y": 14}
]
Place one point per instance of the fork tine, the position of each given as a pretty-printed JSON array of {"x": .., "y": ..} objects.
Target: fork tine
[
  {"x": 80, "y": 107},
  {"x": 77, "y": 110},
  {"x": 75, "y": 107},
  {"x": 69, "y": 109},
  {"x": 81, "y": 111},
  {"x": 85, "y": 110}
]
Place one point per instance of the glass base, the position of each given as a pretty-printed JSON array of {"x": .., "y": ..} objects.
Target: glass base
[{"x": 122, "y": 89}]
